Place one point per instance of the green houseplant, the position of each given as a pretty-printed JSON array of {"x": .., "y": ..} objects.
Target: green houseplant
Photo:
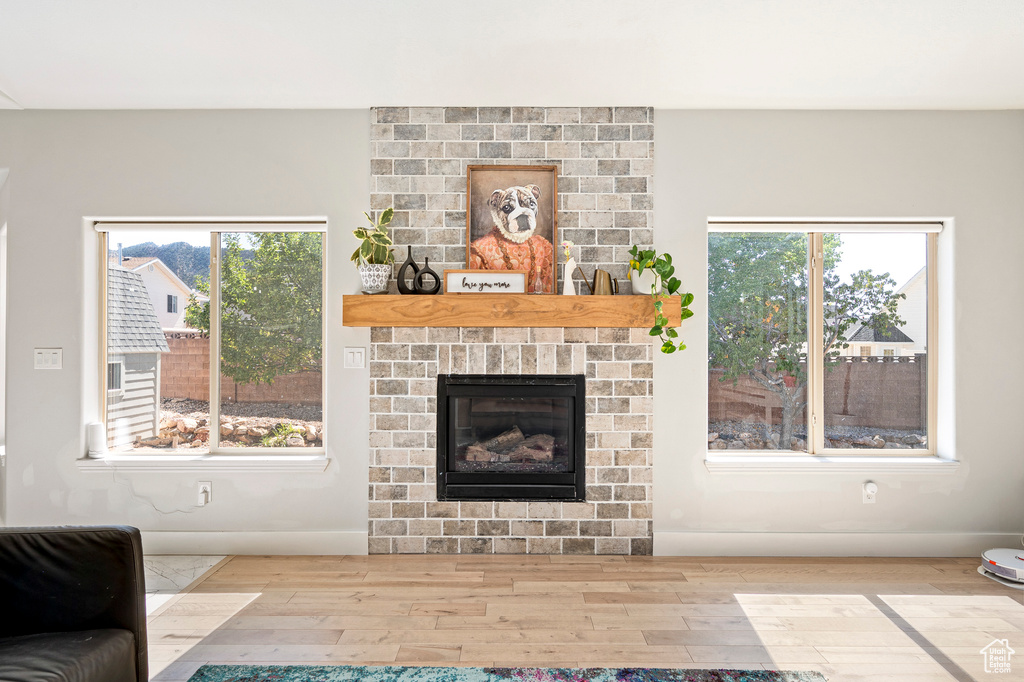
[
  {"x": 643, "y": 262},
  {"x": 374, "y": 255}
]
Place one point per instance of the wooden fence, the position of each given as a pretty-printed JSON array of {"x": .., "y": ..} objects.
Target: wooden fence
[{"x": 879, "y": 392}]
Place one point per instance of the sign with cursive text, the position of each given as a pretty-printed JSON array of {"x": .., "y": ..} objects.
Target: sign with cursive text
[{"x": 485, "y": 282}]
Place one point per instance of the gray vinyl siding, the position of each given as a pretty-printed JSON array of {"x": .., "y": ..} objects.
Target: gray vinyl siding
[{"x": 135, "y": 411}]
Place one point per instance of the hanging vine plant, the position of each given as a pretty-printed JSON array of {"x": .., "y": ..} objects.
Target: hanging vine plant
[{"x": 665, "y": 285}]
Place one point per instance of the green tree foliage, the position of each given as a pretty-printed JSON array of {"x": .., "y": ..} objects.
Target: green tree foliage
[
  {"x": 271, "y": 303},
  {"x": 758, "y": 310}
]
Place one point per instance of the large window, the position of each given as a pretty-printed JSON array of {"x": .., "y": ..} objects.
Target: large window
[
  {"x": 245, "y": 374},
  {"x": 821, "y": 338}
]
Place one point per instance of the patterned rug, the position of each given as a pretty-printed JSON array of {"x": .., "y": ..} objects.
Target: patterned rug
[{"x": 345, "y": 673}]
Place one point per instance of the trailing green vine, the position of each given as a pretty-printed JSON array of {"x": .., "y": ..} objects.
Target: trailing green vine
[{"x": 665, "y": 285}]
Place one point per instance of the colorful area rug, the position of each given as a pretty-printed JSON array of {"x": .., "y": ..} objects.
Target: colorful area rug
[{"x": 345, "y": 673}]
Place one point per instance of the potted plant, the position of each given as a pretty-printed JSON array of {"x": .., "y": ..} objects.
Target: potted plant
[
  {"x": 374, "y": 256},
  {"x": 654, "y": 276},
  {"x": 642, "y": 275}
]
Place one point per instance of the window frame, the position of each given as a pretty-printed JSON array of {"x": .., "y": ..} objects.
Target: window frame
[
  {"x": 119, "y": 390},
  {"x": 215, "y": 229},
  {"x": 815, "y": 230},
  {"x": 172, "y": 304}
]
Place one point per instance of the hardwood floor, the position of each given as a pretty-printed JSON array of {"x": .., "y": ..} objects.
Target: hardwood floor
[{"x": 852, "y": 619}]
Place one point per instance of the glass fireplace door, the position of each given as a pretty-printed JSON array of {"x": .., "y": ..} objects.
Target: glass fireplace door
[{"x": 511, "y": 437}]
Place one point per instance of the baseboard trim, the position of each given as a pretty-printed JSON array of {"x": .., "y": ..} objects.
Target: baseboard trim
[
  {"x": 329, "y": 542},
  {"x": 838, "y": 544}
]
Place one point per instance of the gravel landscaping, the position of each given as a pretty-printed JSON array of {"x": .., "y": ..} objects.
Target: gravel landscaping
[
  {"x": 185, "y": 423},
  {"x": 734, "y": 435}
]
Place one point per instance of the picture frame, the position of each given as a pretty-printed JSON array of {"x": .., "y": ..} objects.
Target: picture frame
[
  {"x": 485, "y": 281},
  {"x": 512, "y": 222}
]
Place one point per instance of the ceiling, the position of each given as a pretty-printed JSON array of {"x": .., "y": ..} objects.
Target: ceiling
[{"x": 759, "y": 54}]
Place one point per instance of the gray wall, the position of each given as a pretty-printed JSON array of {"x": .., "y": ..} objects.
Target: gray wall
[
  {"x": 967, "y": 165},
  {"x": 67, "y": 165}
]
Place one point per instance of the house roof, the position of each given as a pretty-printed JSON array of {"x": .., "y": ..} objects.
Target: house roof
[
  {"x": 132, "y": 325},
  {"x": 890, "y": 334},
  {"x": 136, "y": 262}
]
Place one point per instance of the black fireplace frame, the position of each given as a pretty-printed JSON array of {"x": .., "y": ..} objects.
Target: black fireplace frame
[{"x": 499, "y": 486}]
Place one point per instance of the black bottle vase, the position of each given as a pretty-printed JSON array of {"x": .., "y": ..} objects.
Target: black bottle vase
[
  {"x": 420, "y": 280},
  {"x": 403, "y": 273}
]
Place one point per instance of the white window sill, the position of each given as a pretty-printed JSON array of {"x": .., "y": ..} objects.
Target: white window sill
[
  {"x": 809, "y": 464},
  {"x": 206, "y": 463}
]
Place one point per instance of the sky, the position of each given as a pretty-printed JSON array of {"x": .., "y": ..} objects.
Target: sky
[
  {"x": 901, "y": 255},
  {"x": 132, "y": 237}
]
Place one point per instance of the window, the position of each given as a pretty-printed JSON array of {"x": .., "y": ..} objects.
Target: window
[
  {"x": 245, "y": 374},
  {"x": 115, "y": 373},
  {"x": 793, "y": 314}
]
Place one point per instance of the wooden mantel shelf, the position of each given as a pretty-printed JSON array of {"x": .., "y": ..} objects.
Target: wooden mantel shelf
[{"x": 503, "y": 310}]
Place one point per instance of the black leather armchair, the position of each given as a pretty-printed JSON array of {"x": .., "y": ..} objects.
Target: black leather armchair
[{"x": 72, "y": 605}]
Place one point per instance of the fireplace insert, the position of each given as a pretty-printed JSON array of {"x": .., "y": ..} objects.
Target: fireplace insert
[{"x": 511, "y": 437}]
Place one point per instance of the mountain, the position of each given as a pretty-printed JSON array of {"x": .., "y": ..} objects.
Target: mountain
[{"x": 185, "y": 260}]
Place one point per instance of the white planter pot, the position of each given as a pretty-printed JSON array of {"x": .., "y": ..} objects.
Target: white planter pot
[
  {"x": 643, "y": 282},
  {"x": 375, "y": 277}
]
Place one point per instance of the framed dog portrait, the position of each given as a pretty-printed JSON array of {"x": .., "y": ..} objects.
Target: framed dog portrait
[{"x": 511, "y": 222}]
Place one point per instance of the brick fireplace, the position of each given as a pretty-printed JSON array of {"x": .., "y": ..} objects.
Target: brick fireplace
[
  {"x": 405, "y": 515},
  {"x": 605, "y": 161}
]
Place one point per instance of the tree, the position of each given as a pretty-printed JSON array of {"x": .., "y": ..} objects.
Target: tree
[
  {"x": 271, "y": 297},
  {"x": 758, "y": 305}
]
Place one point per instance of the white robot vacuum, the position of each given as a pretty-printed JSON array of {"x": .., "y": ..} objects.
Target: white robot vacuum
[{"x": 1007, "y": 564}]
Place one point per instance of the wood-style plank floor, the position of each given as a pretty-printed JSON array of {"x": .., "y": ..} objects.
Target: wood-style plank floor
[{"x": 852, "y": 619}]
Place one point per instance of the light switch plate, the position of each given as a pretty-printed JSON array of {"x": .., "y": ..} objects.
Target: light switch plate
[
  {"x": 355, "y": 357},
  {"x": 49, "y": 358}
]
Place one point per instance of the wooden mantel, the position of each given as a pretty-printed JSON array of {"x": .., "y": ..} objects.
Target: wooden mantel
[{"x": 503, "y": 310}]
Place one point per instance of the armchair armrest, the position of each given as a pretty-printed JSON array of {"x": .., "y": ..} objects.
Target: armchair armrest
[{"x": 73, "y": 578}]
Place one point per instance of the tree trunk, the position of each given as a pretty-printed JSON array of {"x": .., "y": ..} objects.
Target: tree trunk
[
  {"x": 787, "y": 421},
  {"x": 790, "y": 407}
]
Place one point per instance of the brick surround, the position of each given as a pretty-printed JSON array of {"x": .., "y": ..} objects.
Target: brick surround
[
  {"x": 405, "y": 515},
  {"x": 605, "y": 203}
]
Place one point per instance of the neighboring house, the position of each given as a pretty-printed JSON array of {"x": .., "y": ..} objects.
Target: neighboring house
[
  {"x": 134, "y": 344},
  {"x": 168, "y": 293},
  {"x": 909, "y": 338}
]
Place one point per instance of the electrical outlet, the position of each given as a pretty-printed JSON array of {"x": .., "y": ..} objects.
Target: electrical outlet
[
  {"x": 205, "y": 493},
  {"x": 869, "y": 491}
]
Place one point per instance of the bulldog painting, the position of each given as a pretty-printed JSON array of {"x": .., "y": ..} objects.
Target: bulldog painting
[{"x": 511, "y": 221}]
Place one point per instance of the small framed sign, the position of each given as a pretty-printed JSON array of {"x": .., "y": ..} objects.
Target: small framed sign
[{"x": 485, "y": 281}]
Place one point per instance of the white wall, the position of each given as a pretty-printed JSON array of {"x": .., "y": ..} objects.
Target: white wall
[
  {"x": 66, "y": 165},
  {"x": 5, "y": 199},
  {"x": 968, "y": 165}
]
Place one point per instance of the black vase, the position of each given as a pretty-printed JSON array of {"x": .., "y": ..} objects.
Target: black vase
[
  {"x": 403, "y": 273},
  {"x": 419, "y": 281}
]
